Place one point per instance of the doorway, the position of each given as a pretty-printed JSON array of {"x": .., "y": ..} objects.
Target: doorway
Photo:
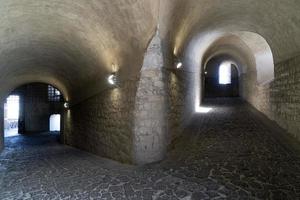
[
  {"x": 54, "y": 122},
  {"x": 11, "y": 116},
  {"x": 221, "y": 79}
]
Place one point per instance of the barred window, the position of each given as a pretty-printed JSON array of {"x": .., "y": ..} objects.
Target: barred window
[{"x": 53, "y": 94}]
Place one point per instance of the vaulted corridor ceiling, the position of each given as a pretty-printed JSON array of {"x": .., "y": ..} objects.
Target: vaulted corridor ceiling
[
  {"x": 75, "y": 44},
  {"x": 275, "y": 21}
]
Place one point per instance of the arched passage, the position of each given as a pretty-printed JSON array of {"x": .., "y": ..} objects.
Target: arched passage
[
  {"x": 245, "y": 48},
  {"x": 36, "y": 103},
  {"x": 221, "y": 78},
  {"x": 97, "y": 39}
]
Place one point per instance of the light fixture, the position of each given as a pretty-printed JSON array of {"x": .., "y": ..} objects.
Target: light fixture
[
  {"x": 66, "y": 105},
  {"x": 112, "y": 79},
  {"x": 205, "y": 72},
  {"x": 179, "y": 65}
]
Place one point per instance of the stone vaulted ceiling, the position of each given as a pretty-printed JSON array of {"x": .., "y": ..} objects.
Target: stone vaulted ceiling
[
  {"x": 72, "y": 44},
  {"x": 277, "y": 21},
  {"x": 75, "y": 44}
]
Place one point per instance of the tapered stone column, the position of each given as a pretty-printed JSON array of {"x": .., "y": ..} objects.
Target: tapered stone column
[{"x": 150, "y": 131}]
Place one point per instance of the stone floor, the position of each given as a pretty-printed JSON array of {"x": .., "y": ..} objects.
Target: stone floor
[
  {"x": 11, "y": 132},
  {"x": 227, "y": 153}
]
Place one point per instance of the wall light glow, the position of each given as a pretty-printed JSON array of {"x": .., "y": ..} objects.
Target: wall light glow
[
  {"x": 201, "y": 109},
  {"x": 112, "y": 79},
  {"x": 175, "y": 51},
  {"x": 179, "y": 65},
  {"x": 66, "y": 105}
]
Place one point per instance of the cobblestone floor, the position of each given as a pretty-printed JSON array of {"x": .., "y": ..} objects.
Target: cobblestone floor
[{"x": 225, "y": 154}]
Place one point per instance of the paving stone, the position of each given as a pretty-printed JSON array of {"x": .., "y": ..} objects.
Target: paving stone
[{"x": 224, "y": 154}]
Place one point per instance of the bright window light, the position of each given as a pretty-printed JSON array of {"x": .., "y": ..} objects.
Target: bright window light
[
  {"x": 13, "y": 107},
  {"x": 11, "y": 116},
  {"x": 225, "y": 73},
  {"x": 54, "y": 122}
]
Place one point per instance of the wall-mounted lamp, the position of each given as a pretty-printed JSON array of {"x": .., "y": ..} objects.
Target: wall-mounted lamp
[
  {"x": 112, "y": 79},
  {"x": 66, "y": 105},
  {"x": 179, "y": 65}
]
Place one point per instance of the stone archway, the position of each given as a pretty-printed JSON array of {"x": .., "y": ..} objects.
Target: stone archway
[
  {"x": 36, "y": 104},
  {"x": 214, "y": 86}
]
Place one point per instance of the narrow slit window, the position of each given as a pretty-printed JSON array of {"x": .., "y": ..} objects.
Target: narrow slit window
[{"x": 225, "y": 73}]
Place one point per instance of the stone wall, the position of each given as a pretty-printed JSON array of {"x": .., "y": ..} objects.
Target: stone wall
[
  {"x": 179, "y": 93},
  {"x": 133, "y": 123},
  {"x": 280, "y": 99},
  {"x": 36, "y": 108},
  {"x": 128, "y": 123},
  {"x": 103, "y": 124}
]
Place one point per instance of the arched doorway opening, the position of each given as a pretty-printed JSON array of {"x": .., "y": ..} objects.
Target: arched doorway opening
[
  {"x": 221, "y": 78},
  {"x": 33, "y": 109}
]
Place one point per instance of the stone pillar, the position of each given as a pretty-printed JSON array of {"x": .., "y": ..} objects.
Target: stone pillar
[{"x": 150, "y": 127}]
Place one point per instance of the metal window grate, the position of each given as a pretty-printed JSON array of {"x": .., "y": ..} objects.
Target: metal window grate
[{"x": 54, "y": 94}]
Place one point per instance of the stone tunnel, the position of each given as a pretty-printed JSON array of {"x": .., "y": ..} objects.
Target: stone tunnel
[{"x": 142, "y": 99}]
